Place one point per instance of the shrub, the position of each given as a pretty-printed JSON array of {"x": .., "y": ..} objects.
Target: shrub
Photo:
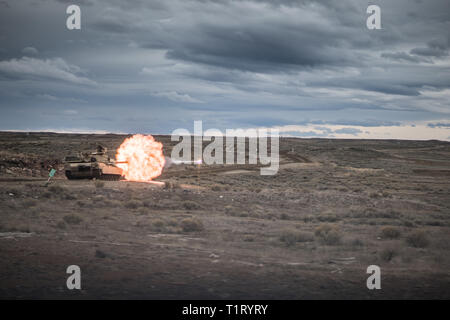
[
  {"x": 56, "y": 189},
  {"x": 72, "y": 219},
  {"x": 192, "y": 225},
  {"x": 249, "y": 238},
  {"x": 159, "y": 224},
  {"x": 68, "y": 196},
  {"x": 388, "y": 254},
  {"x": 81, "y": 203},
  {"x": 61, "y": 225},
  {"x": 357, "y": 242},
  {"x": 191, "y": 205},
  {"x": 100, "y": 254},
  {"x": 417, "y": 239},
  {"x": 132, "y": 204},
  {"x": 47, "y": 195},
  {"x": 390, "y": 232},
  {"x": 290, "y": 237},
  {"x": 328, "y": 234},
  {"x": 172, "y": 222}
]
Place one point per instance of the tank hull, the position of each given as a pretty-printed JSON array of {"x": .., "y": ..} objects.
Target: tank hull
[{"x": 92, "y": 166}]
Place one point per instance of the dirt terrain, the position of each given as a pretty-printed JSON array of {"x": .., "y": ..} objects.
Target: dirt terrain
[{"x": 226, "y": 232}]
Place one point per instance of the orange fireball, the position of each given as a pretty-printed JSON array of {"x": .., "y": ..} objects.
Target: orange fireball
[{"x": 142, "y": 158}]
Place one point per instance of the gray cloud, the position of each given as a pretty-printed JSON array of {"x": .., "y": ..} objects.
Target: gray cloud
[
  {"x": 31, "y": 51},
  {"x": 55, "y": 69},
  {"x": 229, "y": 63},
  {"x": 436, "y": 48},
  {"x": 403, "y": 56},
  {"x": 177, "y": 97}
]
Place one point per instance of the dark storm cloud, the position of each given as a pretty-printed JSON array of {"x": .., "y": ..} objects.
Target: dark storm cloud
[
  {"x": 230, "y": 63},
  {"x": 263, "y": 38},
  {"x": 436, "y": 48},
  {"x": 77, "y": 2},
  {"x": 403, "y": 56},
  {"x": 111, "y": 26}
]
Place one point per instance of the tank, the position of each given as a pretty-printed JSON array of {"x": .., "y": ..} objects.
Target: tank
[{"x": 92, "y": 165}]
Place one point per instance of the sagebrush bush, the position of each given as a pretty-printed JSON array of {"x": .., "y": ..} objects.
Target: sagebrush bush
[
  {"x": 328, "y": 234},
  {"x": 192, "y": 225},
  {"x": 56, "y": 189},
  {"x": 158, "y": 223},
  {"x": 390, "y": 232},
  {"x": 132, "y": 204},
  {"x": 290, "y": 237},
  {"x": 61, "y": 225},
  {"x": 387, "y": 254},
  {"x": 417, "y": 239},
  {"x": 357, "y": 242},
  {"x": 191, "y": 205},
  {"x": 72, "y": 219}
]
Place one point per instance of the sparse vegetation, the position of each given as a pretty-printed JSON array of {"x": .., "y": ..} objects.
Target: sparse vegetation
[
  {"x": 279, "y": 225},
  {"x": 328, "y": 234},
  {"x": 100, "y": 254},
  {"x": 290, "y": 237},
  {"x": 191, "y": 205},
  {"x": 387, "y": 254},
  {"x": 61, "y": 225},
  {"x": 356, "y": 242},
  {"x": 29, "y": 203},
  {"x": 390, "y": 232},
  {"x": 191, "y": 225},
  {"x": 158, "y": 224},
  {"x": 417, "y": 239},
  {"x": 72, "y": 219},
  {"x": 55, "y": 189},
  {"x": 132, "y": 204}
]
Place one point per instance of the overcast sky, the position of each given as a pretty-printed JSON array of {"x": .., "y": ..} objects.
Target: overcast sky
[{"x": 309, "y": 68}]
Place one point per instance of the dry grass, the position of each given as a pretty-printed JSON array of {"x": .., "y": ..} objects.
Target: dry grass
[
  {"x": 192, "y": 225},
  {"x": 132, "y": 204},
  {"x": 72, "y": 219},
  {"x": 191, "y": 205},
  {"x": 390, "y": 232},
  {"x": 417, "y": 239},
  {"x": 290, "y": 237},
  {"x": 328, "y": 234},
  {"x": 29, "y": 203},
  {"x": 58, "y": 190},
  {"x": 387, "y": 254}
]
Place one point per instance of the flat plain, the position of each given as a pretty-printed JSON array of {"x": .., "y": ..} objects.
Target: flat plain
[{"x": 225, "y": 231}]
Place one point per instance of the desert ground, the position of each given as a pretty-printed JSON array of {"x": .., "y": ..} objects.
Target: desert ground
[{"x": 225, "y": 231}]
